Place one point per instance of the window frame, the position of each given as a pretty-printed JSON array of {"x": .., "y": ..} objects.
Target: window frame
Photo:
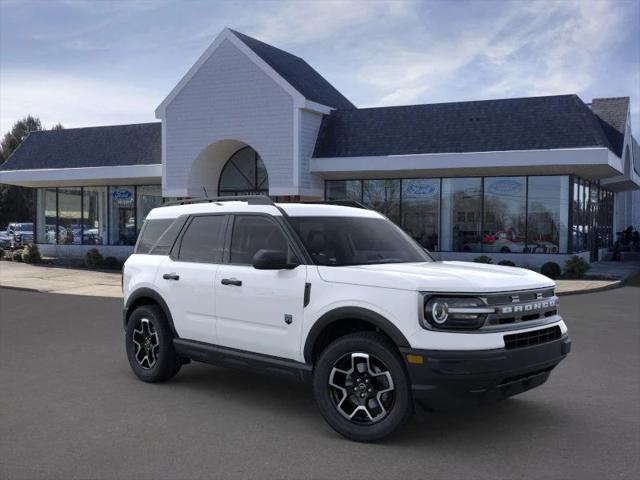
[
  {"x": 292, "y": 241},
  {"x": 174, "y": 253}
]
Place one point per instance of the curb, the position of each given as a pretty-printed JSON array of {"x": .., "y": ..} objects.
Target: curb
[
  {"x": 611, "y": 286},
  {"x": 24, "y": 289}
]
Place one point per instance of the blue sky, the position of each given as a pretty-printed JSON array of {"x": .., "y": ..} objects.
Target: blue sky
[{"x": 105, "y": 62}]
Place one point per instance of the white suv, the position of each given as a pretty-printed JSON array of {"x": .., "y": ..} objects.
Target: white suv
[{"x": 339, "y": 296}]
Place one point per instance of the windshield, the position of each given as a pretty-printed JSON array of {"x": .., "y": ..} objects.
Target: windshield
[{"x": 341, "y": 241}]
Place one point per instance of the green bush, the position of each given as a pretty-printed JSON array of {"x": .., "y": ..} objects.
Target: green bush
[
  {"x": 483, "y": 259},
  {"x": 576, "y": 267},
  {"x": 93, "y": 258},
  {"x": 31, "y": 254},
  {"x": 112, "y": 263},
  {"x": 17, "y": 257},
  {"x": 551, "y": 270},
  {"x": 506, "y": 263},
  {"x": 1, "y": 253}
]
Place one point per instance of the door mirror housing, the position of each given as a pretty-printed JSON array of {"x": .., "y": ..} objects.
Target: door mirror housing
[{"x": 272, "y": 260}]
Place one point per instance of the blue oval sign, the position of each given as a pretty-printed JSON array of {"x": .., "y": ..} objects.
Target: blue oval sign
[
  {"x": 122, "y": 194},
  {"x": 505, "y": 187},
  {"x": 421, "y": 189}
]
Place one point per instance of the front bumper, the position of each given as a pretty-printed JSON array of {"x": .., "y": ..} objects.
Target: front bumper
[{"x": 452, "y": 379}]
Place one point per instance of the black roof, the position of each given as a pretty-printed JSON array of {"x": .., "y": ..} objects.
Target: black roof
[
  {"x": 612, "y": 113},
  {"x": 562, "y": 121},
  {"x": 298, "y": 73},
  {"x": 137, "y": 144}
]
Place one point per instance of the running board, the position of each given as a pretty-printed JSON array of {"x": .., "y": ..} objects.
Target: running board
[{"x": 234, "y": 358}]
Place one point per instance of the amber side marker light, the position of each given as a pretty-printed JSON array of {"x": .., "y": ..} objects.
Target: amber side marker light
[{"x": 415, "y": 359}]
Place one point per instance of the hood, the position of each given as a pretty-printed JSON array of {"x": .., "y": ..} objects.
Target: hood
[{"x": 463, "y": 277}]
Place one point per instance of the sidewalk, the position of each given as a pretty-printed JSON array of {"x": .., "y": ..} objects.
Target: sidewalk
[
  {"x": 78, "y": 281},
  {"x": 73, "y": 281}
]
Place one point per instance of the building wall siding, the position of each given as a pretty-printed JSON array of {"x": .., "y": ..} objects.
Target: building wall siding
[
  {"x": 309, "y": 127},
  {"x": 230, "y": 97}
]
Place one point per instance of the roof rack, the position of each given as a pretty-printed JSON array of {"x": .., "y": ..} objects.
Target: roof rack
[
  {"x": 342, "y": 203},
  {"x": 250, "y": 199}
]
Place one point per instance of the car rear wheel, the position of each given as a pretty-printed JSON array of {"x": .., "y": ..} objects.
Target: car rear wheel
[
  {"x": 361, "y": 387},
  {"x": 149, "y": 345}
]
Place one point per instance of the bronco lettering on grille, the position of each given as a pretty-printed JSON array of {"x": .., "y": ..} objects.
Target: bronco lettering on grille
[{"x": 529, "y": 307}]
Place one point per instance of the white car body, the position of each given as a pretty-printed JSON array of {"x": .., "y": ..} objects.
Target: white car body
[
  {"x": 283, "y": 318},
  {"x": 225, "y": 316}
]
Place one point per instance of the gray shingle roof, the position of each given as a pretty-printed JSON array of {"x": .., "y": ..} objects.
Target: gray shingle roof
[
  {"x": 612, "y": 113},
  {"x": 298, "y": 73},
  {"x": 137, "y": 144},
  {"x": 562, "y": 121}
]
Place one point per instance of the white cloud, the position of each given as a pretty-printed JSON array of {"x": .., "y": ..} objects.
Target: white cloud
[
  {"x": 296, "y": 22},
  {"x": 530, "y": 48},
  {"x": 72, "y": 100}
]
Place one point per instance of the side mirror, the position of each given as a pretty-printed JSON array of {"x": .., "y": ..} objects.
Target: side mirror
[{"x": 272, "y": 260}]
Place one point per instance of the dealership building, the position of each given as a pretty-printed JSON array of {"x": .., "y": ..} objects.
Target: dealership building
[{"x": 526, "y": 179}]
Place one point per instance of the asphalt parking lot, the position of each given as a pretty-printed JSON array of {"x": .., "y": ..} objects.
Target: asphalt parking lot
[{"x": 71, "y": 408}]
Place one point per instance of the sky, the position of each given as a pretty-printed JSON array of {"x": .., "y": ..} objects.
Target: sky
[{"x": 104, "y": 62}]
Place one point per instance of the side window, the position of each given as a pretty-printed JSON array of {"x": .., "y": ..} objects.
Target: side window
[
  {"x": 252, "y": 233},
  {"x": 151, "y": 232},
  {"x": 204, "y": 240}
]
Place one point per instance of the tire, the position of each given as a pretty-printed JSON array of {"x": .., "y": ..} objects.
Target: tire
[
  {"x": 155, "y": 359},
  {"x": 505, "y": 250},
  {"x": 385, "y": 410}
]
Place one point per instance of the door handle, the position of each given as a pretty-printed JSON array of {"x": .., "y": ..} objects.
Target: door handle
[
  {"x": 231, "y": 281},
  {"x": 171, "y": 276}
]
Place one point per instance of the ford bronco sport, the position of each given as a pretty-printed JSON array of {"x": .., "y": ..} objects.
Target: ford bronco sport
[{"x": 339, "y": 296}]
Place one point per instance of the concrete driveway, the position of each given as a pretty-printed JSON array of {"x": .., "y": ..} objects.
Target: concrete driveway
[{"x": 71, "y": 408}]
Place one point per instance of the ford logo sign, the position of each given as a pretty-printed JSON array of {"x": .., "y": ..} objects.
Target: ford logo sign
[
  {"x": 121, "y": 195},
  {"x": 505, "y": 187},
  {"x": 421, "y": 189}
]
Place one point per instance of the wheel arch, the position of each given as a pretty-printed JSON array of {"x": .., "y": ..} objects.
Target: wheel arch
[
  {"x": 147, "y": 296},
  {"x": 330, "y": 320}
]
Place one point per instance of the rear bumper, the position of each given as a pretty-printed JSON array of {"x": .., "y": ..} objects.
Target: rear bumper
[{"x": 450, "y": 379}]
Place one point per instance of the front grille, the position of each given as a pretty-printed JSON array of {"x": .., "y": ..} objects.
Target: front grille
[
  {"x": 534, "y": 337},
  {"x": 518, "y": 307}
]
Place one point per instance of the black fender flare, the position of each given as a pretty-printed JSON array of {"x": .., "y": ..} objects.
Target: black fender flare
[
  {"x": 352, "y": 313},
  {"x": 157, "y": 298}
]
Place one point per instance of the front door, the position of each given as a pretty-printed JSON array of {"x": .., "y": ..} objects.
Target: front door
[
  {"x": 187, "y": 278},
  {"x": 259, "y": 310}
]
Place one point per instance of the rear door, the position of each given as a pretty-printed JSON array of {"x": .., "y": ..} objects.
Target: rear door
[
  {"x": 259, "y": 310},
  {"x": 187, "y": 277}
]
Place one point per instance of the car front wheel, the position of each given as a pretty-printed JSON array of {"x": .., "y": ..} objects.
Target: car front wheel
[
  {"x": 361, "y": 387},
  {"x": 149, "y": 345}
]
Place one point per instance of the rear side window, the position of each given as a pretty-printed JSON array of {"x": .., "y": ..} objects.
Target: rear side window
[
  {"x": 203, "y": 240},
  {"x": 252, "y": 233},
  {"x": 151, "y": 233}
]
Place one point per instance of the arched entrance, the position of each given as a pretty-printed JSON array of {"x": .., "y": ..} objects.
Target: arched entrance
[{"x": 244, "y": 174}]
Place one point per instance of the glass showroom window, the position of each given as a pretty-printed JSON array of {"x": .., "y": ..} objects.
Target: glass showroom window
[
  {"x": 505, "y": 215},
  {"x": 149, "y": 197},
  {"x": 122, "y": 215},
  {"x": 421, "y": 210},
  {"x": 548, "y": 200},
  {"x": 461, "y": 215},
  {"x": 46, "y": 215},
  {"x": 69, "y": 216},
  {"x": 382, "y": 196},
  {"x": 94, "y": 215},
  {"x": 344, "y": 190}
]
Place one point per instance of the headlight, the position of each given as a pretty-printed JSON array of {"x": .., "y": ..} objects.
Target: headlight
[{"x": 455, "y": 312}]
